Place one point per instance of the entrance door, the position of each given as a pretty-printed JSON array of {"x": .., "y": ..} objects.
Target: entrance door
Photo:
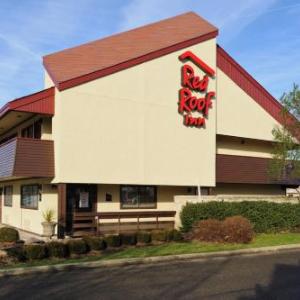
[{"x": 81, "y": 198}]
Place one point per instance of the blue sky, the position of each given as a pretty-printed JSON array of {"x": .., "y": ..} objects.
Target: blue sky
[{"x": 263, "y": 36}]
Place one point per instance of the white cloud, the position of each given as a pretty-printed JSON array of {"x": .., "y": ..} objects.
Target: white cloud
[
  {"x": 33, "y": 30},
  {"x": 28, "y": 31},
  {"x": 273, "y": 60},
  {"x": 230, "y": 16}
]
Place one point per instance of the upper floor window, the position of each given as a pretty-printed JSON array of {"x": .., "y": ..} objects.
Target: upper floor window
[
  {"x": 33, "y": 131},
  {"x": 133, "y": 196},
  {"x": 8, "y": 194}
]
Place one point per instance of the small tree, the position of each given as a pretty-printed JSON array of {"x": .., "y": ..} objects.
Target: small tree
[{"x": 285, "y": 165}]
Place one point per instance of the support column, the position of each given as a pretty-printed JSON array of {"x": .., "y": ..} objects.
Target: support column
[{"x": 62, "y": 210}]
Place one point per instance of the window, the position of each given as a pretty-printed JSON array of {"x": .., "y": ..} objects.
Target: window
[
  {"x": 138, "y": 196},
  {"x": 8, "y": 193},
  {"x": 30, "y": 195},
  {"x": 33, "y": 131}
]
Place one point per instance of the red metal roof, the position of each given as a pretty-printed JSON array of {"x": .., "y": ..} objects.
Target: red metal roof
[
  {"x": 252, "y": 87},
  {"x": 248, "y": 84},
  {"x": 99, "y": 58},
  {"x": 41, "y": 102},
  {"x": 102, "y": 57}
]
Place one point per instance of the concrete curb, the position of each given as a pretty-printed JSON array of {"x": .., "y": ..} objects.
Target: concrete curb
[{"x": 147, "y": 260}]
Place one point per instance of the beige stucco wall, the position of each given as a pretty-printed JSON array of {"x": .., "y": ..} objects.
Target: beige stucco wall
[
  {"x": 47, "y": 81},
  {"x": 165, "y": 202},
  {"x": 125, "y": 128},
  {"x": 243, "y": 147},
  {"x": 238, "y": 114},
  {"x": 248, "y": 189},
  {"x": 165, "y": 198},
  {"x": 29, "y": 219}
]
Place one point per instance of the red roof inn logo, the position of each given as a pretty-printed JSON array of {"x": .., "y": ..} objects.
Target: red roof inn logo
[{"x": 188, "y": 103}]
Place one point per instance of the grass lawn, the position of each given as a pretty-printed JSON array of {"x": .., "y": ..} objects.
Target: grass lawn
[{"x": 261, "y": 240}]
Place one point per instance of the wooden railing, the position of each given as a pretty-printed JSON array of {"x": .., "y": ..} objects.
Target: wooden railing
[
  {"x": 133, "y": 215},
  {"x": 91, "y": 221}
]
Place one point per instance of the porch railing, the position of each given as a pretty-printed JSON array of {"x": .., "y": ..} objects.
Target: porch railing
[
  {"x": 91, "y": 221},
  {"x": 157, "y": 215}
]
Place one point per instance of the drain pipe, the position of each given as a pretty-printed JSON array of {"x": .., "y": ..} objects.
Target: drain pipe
[{"x": 199, "y": 193}]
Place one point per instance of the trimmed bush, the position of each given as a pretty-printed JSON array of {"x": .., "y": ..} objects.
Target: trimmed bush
[
  {"x": 56, "y": 249},
  {"x": 77, "y": 247},
  {"x": 95, "y": 242},
  {"x": 144, "y": 237},
  {"x": 35, "y": 251},
  {"x": 129, "y": 239},
  {"x": 16, "y": 253},
  {"x": 159, "y": 235},
  {"x": 237, "y": 229},
  {"x": 8, "y": 234},
  {"x": 174, "y": 235},
  {"x": 264, "y": 216},
  {"x": 113, "y": 240},
  {"x": 210, "y": 230},
  {"x": 234, "y": 229}
]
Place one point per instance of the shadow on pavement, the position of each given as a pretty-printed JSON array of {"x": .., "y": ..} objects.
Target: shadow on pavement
[{"x": 285, "y": 284}]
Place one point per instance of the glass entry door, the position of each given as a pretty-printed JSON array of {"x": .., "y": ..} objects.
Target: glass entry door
[{"x": 80, "y": 198}]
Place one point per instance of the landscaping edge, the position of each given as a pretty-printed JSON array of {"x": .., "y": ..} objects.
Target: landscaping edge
[{"x": 145, "y": 260}]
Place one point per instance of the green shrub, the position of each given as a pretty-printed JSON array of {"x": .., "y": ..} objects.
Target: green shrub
[
  {"x": 174, "y": 235},
  {"x": 144, "y": 237},
  {"x": 94, "y": 242},
  {"x": 159, "y": 235},
  {"x": 128, "y": 239},
  {"x": 35, "y": 251},
  {"x": 237, "y": 229},
  {"x": 113, "y": 240},
  {"x": 17, "y": 253},
  {"x": 56, "y": 249},
  {"x": 264, "y": 216},
  {"x": 77, "y": 247},
  {"x": 8, "y": 234}
]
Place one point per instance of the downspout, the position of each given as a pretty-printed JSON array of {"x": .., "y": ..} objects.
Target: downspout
[{"x": 199, "y": 193}]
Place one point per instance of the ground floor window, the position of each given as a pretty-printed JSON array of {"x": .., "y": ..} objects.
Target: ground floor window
[
  {"x": 30, "y": 195},
  {"x": 134, "y": 196},
  {"x": 8, "y": 193}
]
